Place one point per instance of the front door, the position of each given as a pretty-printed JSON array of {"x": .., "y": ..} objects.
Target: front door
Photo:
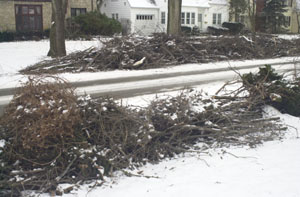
[
  {"x": 29, "y": 18},
  {"x": 200, "y": 21}
]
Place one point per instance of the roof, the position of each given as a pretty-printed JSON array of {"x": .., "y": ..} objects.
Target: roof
[
  {"x": 218, "y": 2},
  {"x": 195, "y": 3},
  {"x": 142, "y": 4}
]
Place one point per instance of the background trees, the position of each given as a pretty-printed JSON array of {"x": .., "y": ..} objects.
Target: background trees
[
  {"x": 236, "y": 8},
  {"x": 275, "y": 19}
]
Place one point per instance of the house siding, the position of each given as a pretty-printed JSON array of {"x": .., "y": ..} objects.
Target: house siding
[
  {"x": 90, "y": 5},
  {"x": 7, "y": 11},
  {"x": 7, "y": 14},
  {"x": 122, "y": 8},
  {"x": 163, "y": 7},
  {"x": 218, "y": 9}
]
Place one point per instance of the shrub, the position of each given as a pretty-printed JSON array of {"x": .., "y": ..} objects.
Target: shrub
[
  {"x": 6, "y": 36},
  {"x": 12, "y": 36},
  {"x": 94, "y": 23},
  {"x": 41, "y": 118}
]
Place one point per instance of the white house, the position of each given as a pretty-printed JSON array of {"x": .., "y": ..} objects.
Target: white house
[{"x": 150, "y": 16}]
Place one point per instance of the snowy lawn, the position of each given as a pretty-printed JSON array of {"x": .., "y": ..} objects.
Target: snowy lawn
[
  {"x": 271, "y": 169},
  {"x": 18, "y": 55}
]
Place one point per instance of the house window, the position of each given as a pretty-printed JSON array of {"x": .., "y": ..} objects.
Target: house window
[
  {"x": 28, "y": 17},
  {"x": 77, "y": 11},
  {"x": 115, "y": 16},
  {"x": 144, "y": 17},
  {"x": 188, "y": 18},
  {"x": 214, "y": 19},
  {"x": 217, "y": 19},
  {"x": 193, "y": 18},
  {"x": 182, "y": 18},
  {"x": 163, "y": 17}
]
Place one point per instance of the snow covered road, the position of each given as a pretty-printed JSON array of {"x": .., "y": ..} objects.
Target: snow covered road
[{"x": 123, "y": 84}]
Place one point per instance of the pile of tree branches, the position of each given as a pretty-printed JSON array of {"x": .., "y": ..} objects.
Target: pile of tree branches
[
  {"x": 273, "y": 89},
  {"x": 161, "y": 50},
  {"x": 52, "y": 136}
]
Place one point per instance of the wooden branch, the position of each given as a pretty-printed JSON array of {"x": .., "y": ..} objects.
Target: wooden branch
[{"x": 66, "y": 170}]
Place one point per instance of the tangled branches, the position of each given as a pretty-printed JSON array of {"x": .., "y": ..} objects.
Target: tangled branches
[
  {"x": 269, "y": 87},
  {"x": 53, "y": 137},
  {"x": 162, "y": 50}
]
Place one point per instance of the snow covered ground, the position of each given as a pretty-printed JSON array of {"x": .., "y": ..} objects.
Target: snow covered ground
[
  {"x": 271, "y": 169},
  {"x": 268, "y": 170},
  {"x": 18, "y": 55}
]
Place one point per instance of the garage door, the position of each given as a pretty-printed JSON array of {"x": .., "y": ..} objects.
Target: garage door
[{"x": 145, "y": 24}]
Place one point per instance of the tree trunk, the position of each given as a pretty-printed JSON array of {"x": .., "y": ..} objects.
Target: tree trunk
[
  {"x": 252, "y": 17},
  {"x": 174, "y": 17},
  {"x": 52, "y": 50},
  {"x": 57, "y": 32},
  {"x": 60, "y": 27}
]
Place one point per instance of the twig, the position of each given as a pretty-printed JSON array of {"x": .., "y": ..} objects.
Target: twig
[
  {"x": 57, "y": 179},
  {"x": 243, "y": 157},
  {"x": 138, "y": 175}
]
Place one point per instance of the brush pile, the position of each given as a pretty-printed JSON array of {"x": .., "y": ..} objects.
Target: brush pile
[
  {"x": 51, "y": 136},
  {"x": 162, "y": 50},
  {"x": 273, "y": 89}
]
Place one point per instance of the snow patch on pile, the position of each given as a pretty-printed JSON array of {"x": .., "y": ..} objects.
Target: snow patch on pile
[{"x": 289, "y": 37}]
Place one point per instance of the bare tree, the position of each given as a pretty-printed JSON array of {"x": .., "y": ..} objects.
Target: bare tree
[
  {"x": 252, "y": 15},
  {"x": 57, "y": 31},
  {"x": 236, "y": 8},
  {"x": 174, "y": 17},
  {"x": 99, "y": 4}
]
